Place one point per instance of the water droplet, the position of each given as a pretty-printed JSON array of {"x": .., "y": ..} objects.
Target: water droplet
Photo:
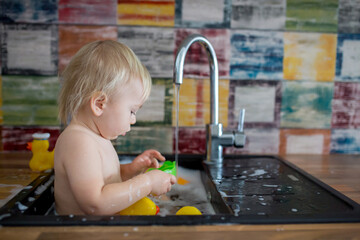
[
  {"x": 270, "y": 186},
  {"x": 31, "y": 199}
]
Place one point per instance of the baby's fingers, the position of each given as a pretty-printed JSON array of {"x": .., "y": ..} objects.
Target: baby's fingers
[
  {"x": 154, "y": 162},
  {"x": 157, "y": 155},
  {"x": 172, "y": 179}
]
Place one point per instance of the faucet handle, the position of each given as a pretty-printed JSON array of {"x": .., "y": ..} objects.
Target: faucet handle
[
  {"x": 241, "y": 120},
  {"x": 239, "y": 136}
]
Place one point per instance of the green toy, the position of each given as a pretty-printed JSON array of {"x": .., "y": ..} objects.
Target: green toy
[{"x": 167, "y": 166}]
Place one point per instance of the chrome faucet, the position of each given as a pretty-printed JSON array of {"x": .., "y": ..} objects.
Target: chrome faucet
[{"x": 215, "y": 137}]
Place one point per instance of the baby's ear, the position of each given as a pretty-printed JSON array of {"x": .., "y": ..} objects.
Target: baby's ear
[{"x": 98, "y": 103}]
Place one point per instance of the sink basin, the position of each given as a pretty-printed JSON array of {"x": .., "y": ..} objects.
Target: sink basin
[{"x": 244, "y": 189}]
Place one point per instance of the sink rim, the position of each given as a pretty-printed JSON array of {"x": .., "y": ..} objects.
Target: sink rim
[{"x": 68, "y": 220}]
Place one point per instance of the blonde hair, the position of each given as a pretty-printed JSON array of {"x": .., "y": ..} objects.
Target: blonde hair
[{"x": 98, "y": 66}]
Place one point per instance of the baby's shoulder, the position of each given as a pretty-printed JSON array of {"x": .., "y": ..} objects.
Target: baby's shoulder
[{"x": 78, "y": 137}]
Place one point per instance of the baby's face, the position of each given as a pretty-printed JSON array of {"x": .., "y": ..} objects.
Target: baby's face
[{"x": 120, "y": 111}]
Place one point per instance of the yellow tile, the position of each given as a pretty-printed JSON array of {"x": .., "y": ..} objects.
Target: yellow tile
[
  {"x": 187, "y": 104},
  {"x": 146, "y": 14},
  {"x": 223, "y": 101},
  {"x": 194, "y": 107},
  {"x": 309, "y": 56},
  {"x": 325, "y": 61},
  {"x": 146, "y": 9}
]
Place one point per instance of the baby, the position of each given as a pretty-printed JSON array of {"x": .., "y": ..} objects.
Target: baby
[{"x": 103, "y": 87}]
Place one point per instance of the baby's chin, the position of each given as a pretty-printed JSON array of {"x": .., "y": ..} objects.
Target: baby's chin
[{"x": 112, "y": 137}]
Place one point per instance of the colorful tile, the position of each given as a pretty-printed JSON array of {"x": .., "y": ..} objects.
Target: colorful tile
[
  {"x": 348, "y": 57},
  {"x": 148, "y": 13},
  {"x": 140, "y": 139},
  {"x": 196, "y": 61},
  {"x": 87, "y": 11},
  {"x": 1, "y": 104},
  {"x": 16, "y": 138},
  {"x": 73, "y": 37},
  {"x": 153, "y": 46},
  {"x": 194, "y": 105},
  {"x": 203, "y": 13},
  {"x": 157, "y": 109},
  {"x": 349, "y": 15},
  {"x": 191, "y": 140},
  {"x": 258, "y": 141},
  {"x": 306, "y": 105},
  {"x": 30, "y": 100},
  {"x": 346, "y": 105},
  {"x": 29, "y": 49},
  {"x": 345, "y": 141},
  {"x": 26, "y": 11},
  {"x": 312, "y": 15},
  {"x": 305, "y": 141},
  {"x": 309, "y": 56},
  {"x": 258, "y": 14},
  {"x": 256, "y": 55},
  {"x": 260, "y": 99}
]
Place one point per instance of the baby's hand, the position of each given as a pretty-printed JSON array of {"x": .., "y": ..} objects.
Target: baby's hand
[
  {"x": 148, "y": 159},
  {"x": 160, "y": 181}
]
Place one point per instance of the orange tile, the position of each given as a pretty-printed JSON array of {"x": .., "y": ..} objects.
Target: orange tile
[
  {"x": 305, "y": 141},
  {"x": 73, "y": 37}
]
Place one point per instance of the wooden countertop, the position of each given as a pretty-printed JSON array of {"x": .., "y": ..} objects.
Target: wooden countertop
[{"x": 341, "y": 172}]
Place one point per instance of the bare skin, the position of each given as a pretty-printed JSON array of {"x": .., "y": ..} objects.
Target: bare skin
[{"x": 88, "y": 177}]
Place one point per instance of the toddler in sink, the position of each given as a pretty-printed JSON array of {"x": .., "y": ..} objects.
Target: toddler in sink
[{"x": 103, "y": 87}]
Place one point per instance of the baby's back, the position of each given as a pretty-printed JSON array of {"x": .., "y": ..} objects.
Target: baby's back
[{"x": 82, "y": 159}]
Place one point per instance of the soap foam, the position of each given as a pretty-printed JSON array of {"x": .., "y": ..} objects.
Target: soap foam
[{"x": 190, "y": 194}]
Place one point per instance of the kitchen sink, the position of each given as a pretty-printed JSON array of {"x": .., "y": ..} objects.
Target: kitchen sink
[{"x": 243, "y": 190}]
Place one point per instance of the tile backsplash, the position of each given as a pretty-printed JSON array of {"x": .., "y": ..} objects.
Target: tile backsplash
[{"x": 293, "y": 65}]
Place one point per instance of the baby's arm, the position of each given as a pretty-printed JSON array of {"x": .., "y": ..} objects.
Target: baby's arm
[
  {"x": 82, "y": 163},
  {"x": 148, "y": 159}
]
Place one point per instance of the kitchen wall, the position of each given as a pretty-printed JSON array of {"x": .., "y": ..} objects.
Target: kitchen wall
[{"x": 293, "y": 65}]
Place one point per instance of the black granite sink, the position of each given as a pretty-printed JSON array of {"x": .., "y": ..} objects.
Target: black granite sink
[{"x": 244, "y": 189}]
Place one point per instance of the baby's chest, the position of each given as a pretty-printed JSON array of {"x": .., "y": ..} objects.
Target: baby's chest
[
  {"x": 111, "y": 172},
  {"x": 111, "y": 168}
]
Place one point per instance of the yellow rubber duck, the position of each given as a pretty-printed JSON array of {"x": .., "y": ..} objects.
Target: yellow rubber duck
[
  {"x": 188, "y": 210},
  {"x": 144, "y": 206},
  {"x": 42, "y": 159}
]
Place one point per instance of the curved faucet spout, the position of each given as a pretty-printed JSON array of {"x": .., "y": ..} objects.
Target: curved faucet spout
[
  {"x": 214, "y": 71},
  {"x": 215, "y": 137}
]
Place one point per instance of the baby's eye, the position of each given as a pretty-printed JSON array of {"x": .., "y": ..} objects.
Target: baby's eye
[{"x": 133, "y": 113}]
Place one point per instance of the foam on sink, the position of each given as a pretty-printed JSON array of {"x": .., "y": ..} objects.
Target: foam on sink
[
  {"x": 258, "y": 172},
  {"x": 190, "y": 194}
]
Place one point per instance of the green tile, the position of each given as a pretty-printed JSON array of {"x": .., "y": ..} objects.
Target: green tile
[
  {"x": 312, "y": 15},
  {"x": 157, "y": 110},
  {"x": 140, "y": 139},
  {"x": 30, "y": 100}
]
